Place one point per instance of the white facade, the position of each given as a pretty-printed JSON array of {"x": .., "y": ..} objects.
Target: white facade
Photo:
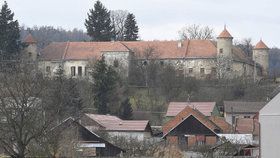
[
  {"x": 140, "y": 136},
  {"x": 269, "y": 118}
]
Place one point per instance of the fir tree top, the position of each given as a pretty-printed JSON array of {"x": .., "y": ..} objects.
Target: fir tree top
[
  {"x": 131, "y": 28},
  {"x": 98, "y": 24},
  {"x": 9, "y": 33}
]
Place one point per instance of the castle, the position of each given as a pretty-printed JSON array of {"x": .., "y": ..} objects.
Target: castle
[{"x": 201, "y": 59}]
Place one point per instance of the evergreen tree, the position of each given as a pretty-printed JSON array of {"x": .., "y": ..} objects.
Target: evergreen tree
[
  {"x": 98, "y": 24},
  {"x": 9, "y": 33},
  {"x": 131, "y": 28},
  {"x": 126, "y": 111},
  {"x": 65, "y": 95},
  {"x": 104, "y": 86}
]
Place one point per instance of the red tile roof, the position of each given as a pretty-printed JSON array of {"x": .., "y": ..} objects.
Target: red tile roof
[
  {"x": 113, "y": 123},
  {"x": 29, "y": 39},
  {"x": 261, "y": 45},
  {"x": 205, "y": 108},
  {"x": 183, "y": 115},
  {"x": 159, "y": 49},
  {"x": 247, "y": 126},
  {"x": 221, "y": 122},
  {"x": 80, "y": 50},
  {"x": 225, "y": 34}
]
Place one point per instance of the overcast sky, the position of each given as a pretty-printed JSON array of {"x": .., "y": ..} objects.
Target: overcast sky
[{"x": 162, "y": 19}]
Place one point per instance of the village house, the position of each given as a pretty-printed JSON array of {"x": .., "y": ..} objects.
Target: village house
[
  {"x": 116, "y": 127},
  {"x": 70, "y": 134},
  {"x": 191, "y": 128},
  {"x": 206, "y": 108},
  {"x": 269, "y": 118},
  {"x": 241, "y": 109},
  {"x": 197, "y": 58}
]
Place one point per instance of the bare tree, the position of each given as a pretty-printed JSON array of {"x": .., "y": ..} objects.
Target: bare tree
[
  {"x": 118, "y": 18},
  {"x": 196, "y": 32},
  {"x": 245, "y": 45},
  {"x": 22, "y": 109}
]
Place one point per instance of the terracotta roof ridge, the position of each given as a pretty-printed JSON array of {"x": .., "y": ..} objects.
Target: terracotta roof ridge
[
  {"x": 65, "y": 50},
  {"x": 187, "y": 48}
]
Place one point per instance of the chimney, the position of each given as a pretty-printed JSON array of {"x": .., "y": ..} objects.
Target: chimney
[{"x": 180, "y": 44}]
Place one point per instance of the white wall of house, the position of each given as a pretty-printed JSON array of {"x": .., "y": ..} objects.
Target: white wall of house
[
  {"x": 133, "y": 135},
  {"x": 269, "y": 118}
]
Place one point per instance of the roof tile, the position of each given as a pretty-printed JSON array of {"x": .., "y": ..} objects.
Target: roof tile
[{"x": 205, "y": 108}]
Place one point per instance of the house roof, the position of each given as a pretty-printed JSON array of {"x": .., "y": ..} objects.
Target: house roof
[
  {"x": 261, "y": 45},
  {"x": 29, "y": 39},
  {"x": 142, "y": 49},
  {"x": 64, "y": 125},
  {"x": 183, "y": 115},
  {"x": 79, "y": 50},
  {"x": 243, "y": 107},
  {"x": 222, "y": 123},
  {"x": 247, "y": 126},
  {"x": 225, "y": 34},
  {"x": 205, "y": 108},
  {"x": 113, "y": 123}
]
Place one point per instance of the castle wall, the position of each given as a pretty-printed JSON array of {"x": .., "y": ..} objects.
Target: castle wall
[{"x": 120, "y": 60}]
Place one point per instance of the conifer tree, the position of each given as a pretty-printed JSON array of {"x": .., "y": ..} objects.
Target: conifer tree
[
  {"x": 131, "y": 28},
  {"x": 9, "y": 33},
  {"x": 126, "y": 111},
  {"x": 98, "y": 24},
  {"x": 105, "y": 80}
]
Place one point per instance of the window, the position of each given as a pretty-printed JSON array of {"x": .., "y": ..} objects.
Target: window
[
  {"x": 145, "y": 63},
  {"x": 116, "y": 63},
  {"x": 48, "y": 69},
  {"x": 190, "y": 70},
  {"x": 80, "y": 71},
  {"x": 213, "y": 70},
  {"x": 161, "y": 63},
  {"x": 221, "y": 50},
  {"x": 202, "y": 71},
  {"x": 73, "y": 71},
  {"x": 29, "y": 54},
  {"x": 228, "y": 68},
  {"x": 247, "y": 117}
]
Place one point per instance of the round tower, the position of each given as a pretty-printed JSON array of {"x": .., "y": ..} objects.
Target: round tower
[
  {"x": 30, "y": 51},
  {"x": 261, "y": 56},
  {"x": 224, "y": 44}
]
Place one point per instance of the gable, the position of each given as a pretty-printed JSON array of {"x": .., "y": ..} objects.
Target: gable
[{"x": 191, "y": 126}]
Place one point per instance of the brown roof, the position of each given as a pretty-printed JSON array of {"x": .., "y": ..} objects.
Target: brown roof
[
  {"x": 113, "y": 123},
  {"x": 170, "y": 49},
  {"x": 221, "y": 122},
  {"x": 29, "y": 39},
  {"x": 142, "y": 49},
  {"x": 247, "y": 126},
  {"x": 261, "y": 45},
  {"x": 243, "y": 107},
  {"x": 205, "y": 108},
  {"x": 183, "y": 115},
  {"x": 225, "y": 34},
  {"x": 80, "y": 50}
]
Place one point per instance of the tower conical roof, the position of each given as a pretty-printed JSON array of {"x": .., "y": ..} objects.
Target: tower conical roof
[
  {"x": 29, "y": 39},
  {"x": 225, "y": 34},
  {"x": 261, "y": 45}
]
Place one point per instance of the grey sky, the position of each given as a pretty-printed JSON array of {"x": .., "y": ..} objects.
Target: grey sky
[{"x": 161, "y": 19}]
